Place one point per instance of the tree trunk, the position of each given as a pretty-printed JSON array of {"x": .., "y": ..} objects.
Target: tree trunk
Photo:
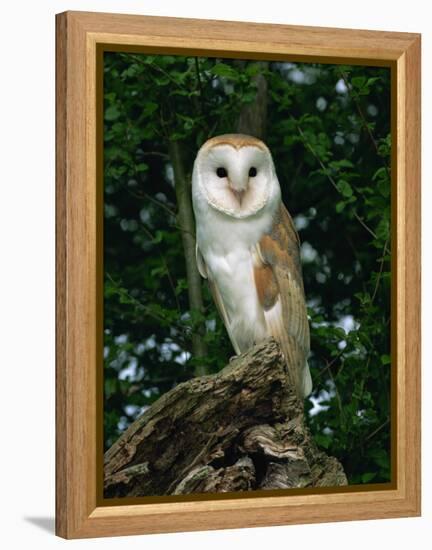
[
  {"x": 187, "y": 227},
  {"x": 253, "y": 116},
  {"x": 242, "y": 429}
]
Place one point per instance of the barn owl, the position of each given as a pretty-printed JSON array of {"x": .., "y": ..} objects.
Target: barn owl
[{"x": 248, "y": 249}]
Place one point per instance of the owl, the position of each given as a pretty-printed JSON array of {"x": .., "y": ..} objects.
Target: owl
[{"x": 248, "y": 249}]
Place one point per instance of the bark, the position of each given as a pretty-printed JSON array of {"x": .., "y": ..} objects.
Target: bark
[
  {"x": 242, "y": 429},
  {"x": 187, "y": 228}
]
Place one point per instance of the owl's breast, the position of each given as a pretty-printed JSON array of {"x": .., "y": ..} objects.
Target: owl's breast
[
  {"x": 232, "y": 273},
  {"x": 226, "y": 246}
]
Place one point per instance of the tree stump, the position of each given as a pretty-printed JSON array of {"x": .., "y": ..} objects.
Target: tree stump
[{"x": 242, "y": 429}]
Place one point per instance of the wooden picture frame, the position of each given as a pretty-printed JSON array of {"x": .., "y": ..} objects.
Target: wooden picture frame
[{"x": 81, "y": 38}]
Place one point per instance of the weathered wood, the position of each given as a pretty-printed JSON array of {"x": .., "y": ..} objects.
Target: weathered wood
[{"x": 239, "y": 430}]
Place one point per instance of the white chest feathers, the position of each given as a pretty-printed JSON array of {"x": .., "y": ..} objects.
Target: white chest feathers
[{"x": 226, "y": 247}]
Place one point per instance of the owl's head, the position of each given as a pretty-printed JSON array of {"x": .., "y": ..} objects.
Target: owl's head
[{"x": 235, "y": 174}]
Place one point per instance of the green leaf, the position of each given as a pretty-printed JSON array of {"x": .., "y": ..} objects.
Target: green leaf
[
  {"x": 368, "y": 476},
  {"x": 358, "y": 81},
  {"x": 372, "y": 80},
  {"x": 110, "y": 386},
  {"x": 248, "y": 97},
  {"x": 342, "y": 163},
  {"x": 161, "y": 270},
  {"x": 380, "y": 173},
  {"x": 384, "y": 187},
  {"x": 323, "y": 440},
  {"x": 221, "y": 69},
  {"x": 158, "y": 237},
  {"x": 149, "y": 108},
  {"x": 112, "y": 113},
  {"x": 345, "y": 188},
  {"x": 253, "y": 69},
  {"x": 381, "y": 457}
]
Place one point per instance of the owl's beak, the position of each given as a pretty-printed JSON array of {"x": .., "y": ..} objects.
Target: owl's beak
[
  {"x": 239, "y": 189},
  {"x": 239, "y": 194}
]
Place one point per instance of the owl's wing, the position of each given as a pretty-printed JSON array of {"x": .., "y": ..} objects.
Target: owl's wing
[
  {"x": 202, "y": 268},
  {"x": 279, "y": 284}
]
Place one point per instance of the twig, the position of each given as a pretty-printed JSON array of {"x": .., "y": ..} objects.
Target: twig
[
  {"x": 168, "y": 273},
  {"x": 155, "y": 154},
  {"x": 371, "y": 435},
  {"x": 329, "y": 364},
  {"x": 338, "y": 397},
  {"x": 157, "y": 68},
  {"x": 380, "y": 272},
  {"x": 136, "y": 302},
  {"x": 160, "y": 204},
  {"x": 359, "y": 219},
  {"x": 329, "y": 176},
  {"x": 181, "y": 338},
  {"x": 360, "y": 111},
  {"x": 363, "y": 118}
]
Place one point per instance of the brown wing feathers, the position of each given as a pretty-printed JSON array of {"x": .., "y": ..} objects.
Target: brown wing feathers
[
  {"x": 266, "y": 285},
  {"x": 279, "y": 285}
]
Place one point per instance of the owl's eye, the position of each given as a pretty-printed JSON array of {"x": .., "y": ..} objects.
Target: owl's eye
[
  {"x": 221, "y": 172},
  {"x": 252, "y": 172}
]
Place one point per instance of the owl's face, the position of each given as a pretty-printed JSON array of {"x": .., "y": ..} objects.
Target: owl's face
[{"x": 236, "y": 175}]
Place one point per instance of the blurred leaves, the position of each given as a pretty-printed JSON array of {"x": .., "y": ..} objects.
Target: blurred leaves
[{"x": 329, "y": 133}]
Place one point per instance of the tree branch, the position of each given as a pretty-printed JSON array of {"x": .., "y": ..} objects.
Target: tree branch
[
  {"x": 365, "y": 124},
  {"x": 331, "y": 179},
  {"x": 253, "y": 116},
  {"x": 187, "y": 228}
]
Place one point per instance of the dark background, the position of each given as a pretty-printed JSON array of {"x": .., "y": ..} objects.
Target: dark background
[{"x": 328, "y": 128}]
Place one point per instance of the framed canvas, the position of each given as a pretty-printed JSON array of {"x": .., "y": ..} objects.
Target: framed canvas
[{"x": 238, "y": 274}]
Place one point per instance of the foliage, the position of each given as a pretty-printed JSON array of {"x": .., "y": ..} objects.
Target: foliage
[{"x": 328, "y": 128}]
